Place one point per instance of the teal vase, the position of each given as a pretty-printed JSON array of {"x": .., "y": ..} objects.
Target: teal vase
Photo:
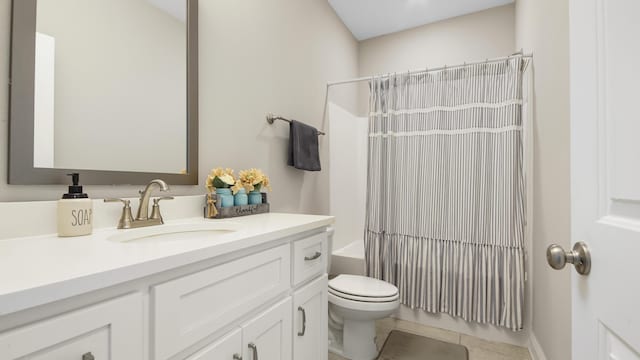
[
  {"x": 226, "y": 199},
  {"x": 255, "y": 197},
  {"x": 240, "y": 198}
]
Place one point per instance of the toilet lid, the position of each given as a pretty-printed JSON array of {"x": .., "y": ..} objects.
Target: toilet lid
[
  {"x": 362, "y": 287},
  {"x": 363, "y": 299}
]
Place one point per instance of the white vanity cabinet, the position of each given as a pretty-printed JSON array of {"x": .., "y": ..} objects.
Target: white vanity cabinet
[
  {"x": 110, "y": 330},
  {"x": 309, "y": 258},
  {"x": 268, "y": 336},
  {"x": 310, "y": 321},
  {"x": 263, "y": 302},
  {"x": 229, "y": 347},
  {"x": 265, "y": 337},
  {"x": 189, "y": 308}
]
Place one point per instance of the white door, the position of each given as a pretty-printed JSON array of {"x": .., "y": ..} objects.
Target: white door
[
  {"x": 605, "y": 176},
  {"x": 310, "y": 321},
  {"x": 268, "y": 336}
]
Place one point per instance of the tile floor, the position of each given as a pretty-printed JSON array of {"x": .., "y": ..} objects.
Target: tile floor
[{"x": 478, "y": 349}]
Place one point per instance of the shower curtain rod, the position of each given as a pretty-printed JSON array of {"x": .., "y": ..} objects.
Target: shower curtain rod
[{"x": 425, "y": 70}]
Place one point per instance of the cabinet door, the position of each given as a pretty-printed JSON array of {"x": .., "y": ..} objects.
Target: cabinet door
[
  {"x": 188, "y": 309},
  {"x": 227, "y": 348},
  {"x": 111, "y": 330},
  {"x": 310, "y": 321},
  {"x": 268, "y": 336}
]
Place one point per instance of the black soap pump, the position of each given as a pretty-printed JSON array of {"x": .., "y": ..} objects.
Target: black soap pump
[{"x": 75, "y": 211}]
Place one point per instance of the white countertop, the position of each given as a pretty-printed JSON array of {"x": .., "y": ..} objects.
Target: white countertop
[{"x": 42, "y": 269}]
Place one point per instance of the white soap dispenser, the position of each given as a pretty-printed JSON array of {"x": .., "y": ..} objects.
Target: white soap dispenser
[{"x": 75, "y": 211}]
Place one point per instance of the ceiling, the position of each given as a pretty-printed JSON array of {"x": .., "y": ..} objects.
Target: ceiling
[{"x": 371, "y": 18}]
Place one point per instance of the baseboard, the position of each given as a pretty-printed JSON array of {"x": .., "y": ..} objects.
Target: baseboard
[
  {"x": 444, "y": 321},
  {"x": 535, "y": 349}
]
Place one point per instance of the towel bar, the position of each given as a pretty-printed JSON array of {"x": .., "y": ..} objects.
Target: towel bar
[{"x": 271, "y": 118}]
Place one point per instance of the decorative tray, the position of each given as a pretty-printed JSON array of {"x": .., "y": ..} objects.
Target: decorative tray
[{"x": 235, "y": 211}]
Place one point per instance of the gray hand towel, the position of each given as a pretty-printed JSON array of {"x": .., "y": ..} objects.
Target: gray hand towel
[{"x": 303, "y": 147}]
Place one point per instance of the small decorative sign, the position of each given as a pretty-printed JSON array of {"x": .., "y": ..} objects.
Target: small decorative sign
[{"x": 233, "y": 211}]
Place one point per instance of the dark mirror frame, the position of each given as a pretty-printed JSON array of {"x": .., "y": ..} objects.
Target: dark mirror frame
[{"x": 21, "y": 111}]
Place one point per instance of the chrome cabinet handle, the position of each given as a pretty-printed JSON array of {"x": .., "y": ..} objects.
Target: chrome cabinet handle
[
  {"x": 237, "y": 357},
  {"x": 88, "y": 356},
  {"x": 304, "y": 321},
  {"x": 313, "y": 257},
  {"x": 254, "y": 348},
  {"x": 579, "y": 256}
]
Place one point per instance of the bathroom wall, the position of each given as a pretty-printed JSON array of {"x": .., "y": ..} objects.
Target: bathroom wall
[
  {"x": 542, "y": 27},
  {"x": 255, "y": 57},
  {"x": 483, "y": 35}
]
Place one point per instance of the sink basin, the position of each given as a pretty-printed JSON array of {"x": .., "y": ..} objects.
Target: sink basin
[{"x": 175, "y": 232}]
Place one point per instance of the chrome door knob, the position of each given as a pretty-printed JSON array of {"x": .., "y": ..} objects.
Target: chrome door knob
[{"x": 580, "y": 257}]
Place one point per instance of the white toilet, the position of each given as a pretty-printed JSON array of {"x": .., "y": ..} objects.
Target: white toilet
[{"x": 355, "y": 303}]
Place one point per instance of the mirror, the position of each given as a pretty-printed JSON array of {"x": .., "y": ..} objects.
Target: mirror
[{"x": 107, "y": 88}]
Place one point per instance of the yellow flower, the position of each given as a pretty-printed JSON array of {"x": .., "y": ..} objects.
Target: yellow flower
[
  {"x": 237, "y": 186},
  {"x": 219, "y": 178},
  {"x": 209, "y": 184},
  {"x": 219, "y": 172},
  {"x": 227, "y": 179},
  {"x": 266, "y": 183},
  {"x": 253, "y": 179}
]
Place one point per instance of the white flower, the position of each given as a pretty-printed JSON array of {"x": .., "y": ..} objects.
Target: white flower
[{"x": 227, "y": 179}]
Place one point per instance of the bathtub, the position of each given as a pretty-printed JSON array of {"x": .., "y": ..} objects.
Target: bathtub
[{"x": 348, "y": 259}]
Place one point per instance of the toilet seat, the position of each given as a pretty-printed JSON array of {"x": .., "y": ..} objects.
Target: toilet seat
[
  {"x": 363, "y": 298},
  {"x": 364, "y": 308},
  {"x": 362, "y": 289}
]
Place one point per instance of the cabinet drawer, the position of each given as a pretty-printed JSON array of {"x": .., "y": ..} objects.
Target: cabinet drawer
[
  {"x": 225, "y": 348},
  {"x": 109, "y": 330},
  {"x": 309, "y": 258},
  {"x": 192, "y": 307}
]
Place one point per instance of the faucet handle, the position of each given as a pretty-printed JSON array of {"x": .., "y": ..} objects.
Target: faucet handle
[
  {"x": 155, "y": 210},
  {"x": 124, "y": 201},
  {"x": 126, "y": 218},
  {"x": 156, "y": 201}
]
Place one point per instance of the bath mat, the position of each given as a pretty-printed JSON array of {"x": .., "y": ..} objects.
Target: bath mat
[{"x": 404, "y": 346}]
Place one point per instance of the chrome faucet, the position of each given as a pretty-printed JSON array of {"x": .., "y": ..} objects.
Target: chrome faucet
[{"x": 142, "y": 219}]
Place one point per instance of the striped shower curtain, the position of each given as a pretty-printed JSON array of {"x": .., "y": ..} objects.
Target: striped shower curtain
[{"x": 446, "y": 190}]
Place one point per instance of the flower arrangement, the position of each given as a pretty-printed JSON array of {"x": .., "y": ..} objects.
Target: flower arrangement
[
  {"x": 227, "y": 196},
  {"x": 220, "y": 178},
  {"x": 251, "y": 180}
]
